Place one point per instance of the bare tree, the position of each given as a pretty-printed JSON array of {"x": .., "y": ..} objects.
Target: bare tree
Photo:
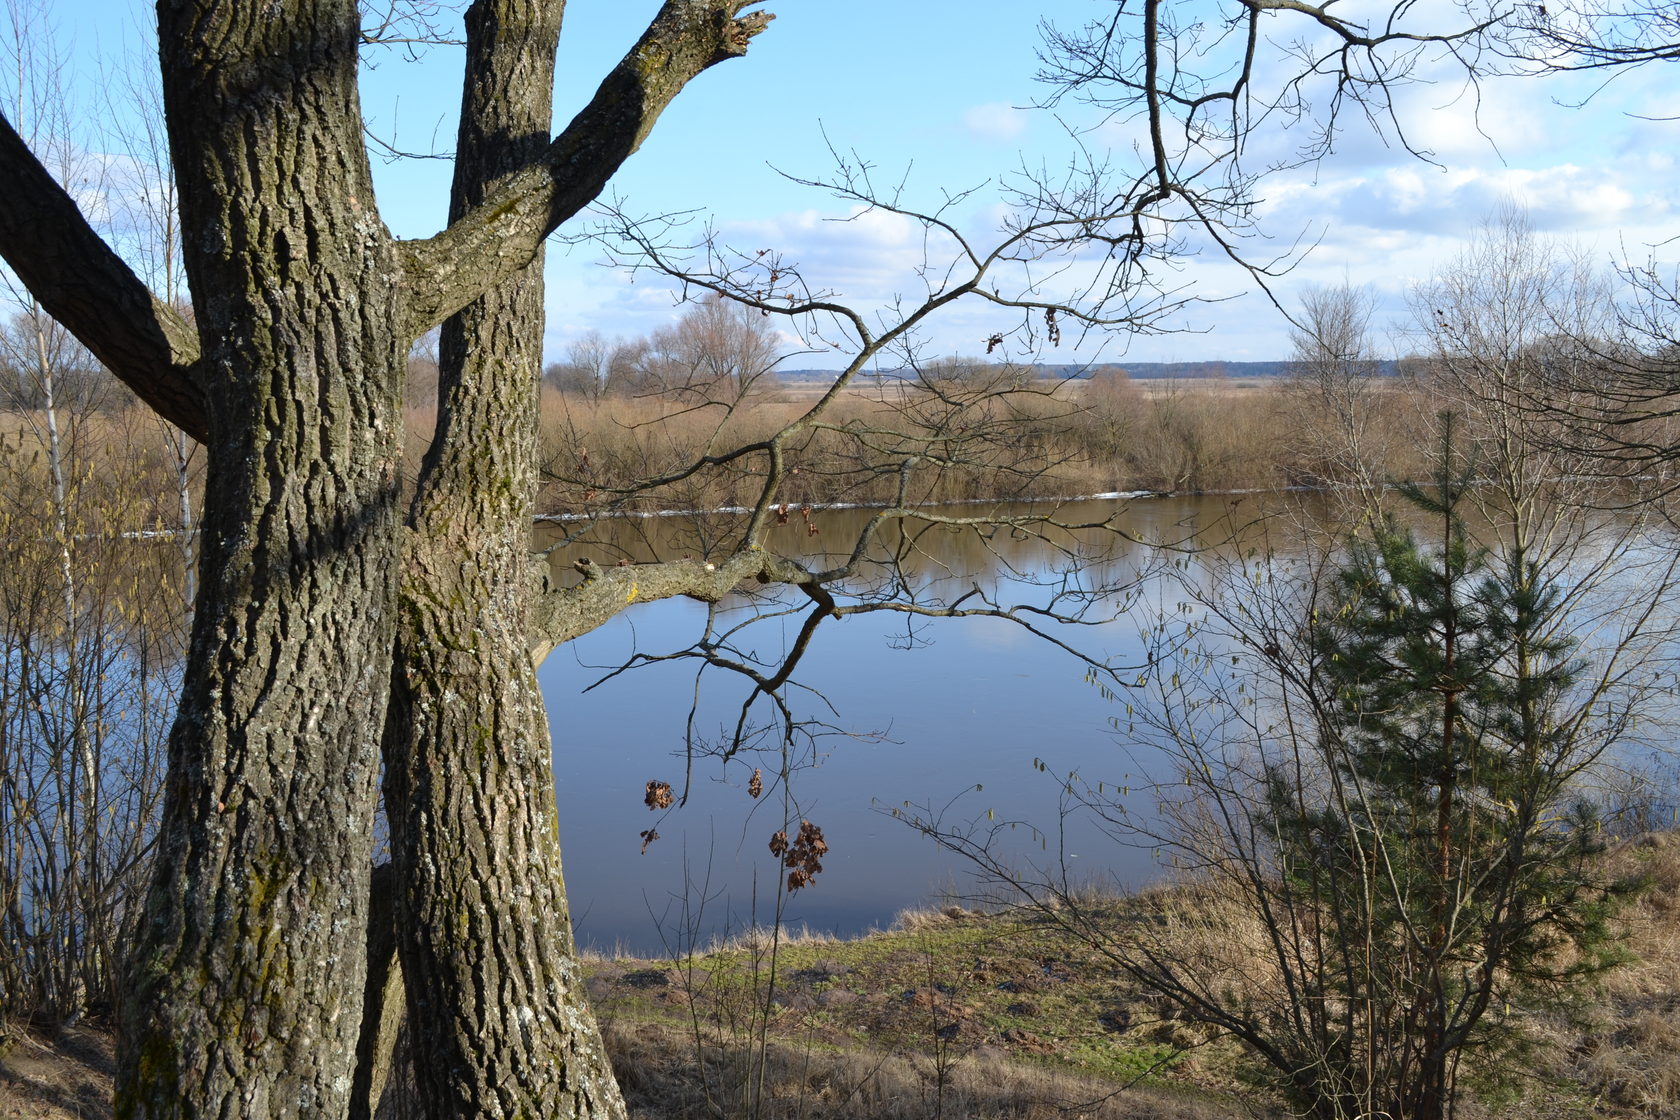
[
  {"x": 273, "y": 791},
  {"x": 90, "y": 629},
  {"x": 716, "y": 353},
  {"x": 1204, "y": 88},
  {"x": 1378, "y": 805},
  {"x": 1595, "y": 372},
  {"x": 1344, "y": 439},
  {"x": 589, "y": 367},
  {"x": 1111, "y": 410},
  {"x": 1510, "y": 326},
  {"x": 900, "y": 455},
  {"x": 1580, "y": 35},
  {"x": 420, "y": 388},
  {"x": 1200, "y": 87},
  {"x": 90, "y": 620},
  {"x": 1386, "y": 753},
  {"x": 45, "y": 371},
  {"x": 320, "y": 627},
  {"x": 1397, "y": 851}
]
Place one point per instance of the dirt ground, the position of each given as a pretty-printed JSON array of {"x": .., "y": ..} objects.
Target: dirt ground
[{"x": 67, "y": 1078}]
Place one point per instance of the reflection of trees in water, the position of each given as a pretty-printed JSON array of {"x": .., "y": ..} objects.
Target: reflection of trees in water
[
  {"x": 1214, "y": 536},
  {"x": 92, "y": 624},
  {"x": 1056, "y": 578},
  {"x": 1063, "y": 574},
  {"x": 932, "y": 553}
]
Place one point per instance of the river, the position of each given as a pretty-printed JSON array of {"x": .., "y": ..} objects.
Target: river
[{"x": 975, "y": 718}]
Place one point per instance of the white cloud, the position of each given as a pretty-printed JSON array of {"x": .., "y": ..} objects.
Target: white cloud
[
  {"x": 996, "y": 121},
  {"x": 863, "y": 256},
  {"x": 1598, "y": 177},
  {"x": 1362, "y": 210}
]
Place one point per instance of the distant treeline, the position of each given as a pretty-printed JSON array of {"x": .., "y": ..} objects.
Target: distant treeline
[
  {"x": 970, "y": 441},
  {"x": 1141, "y": 371}
]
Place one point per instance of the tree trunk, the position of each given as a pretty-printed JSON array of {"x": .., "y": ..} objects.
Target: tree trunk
[
  {"x": 498, "y": 1019},
  {"x": 382, "y": 1074},
  {"x": 246, "y": 986}
]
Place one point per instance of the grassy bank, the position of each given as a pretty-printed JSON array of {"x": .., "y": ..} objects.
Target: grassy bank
[
  {"x": 960, "y": 1014},
  {"x": 956, "y": 1013},
  {"x": 951, "y": 1013}
]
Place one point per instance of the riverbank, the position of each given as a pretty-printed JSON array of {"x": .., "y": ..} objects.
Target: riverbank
[
  {"x": 954, "y": 1013},
  {"x": 961, "y": 1014}
]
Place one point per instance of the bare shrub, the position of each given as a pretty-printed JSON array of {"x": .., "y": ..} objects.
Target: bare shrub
[
  {"x": 92, "y": 622},
  {"x": 1201, "y": 436}
]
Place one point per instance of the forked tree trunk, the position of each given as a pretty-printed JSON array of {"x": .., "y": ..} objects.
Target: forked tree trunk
[{"x": 245, "y": 991}]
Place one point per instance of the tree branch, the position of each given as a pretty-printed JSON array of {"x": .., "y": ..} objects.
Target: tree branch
[
  {"x": 497, "y": 238},
  {"x": 560, "y": 614},
  {"x": 84, "y": 285}
]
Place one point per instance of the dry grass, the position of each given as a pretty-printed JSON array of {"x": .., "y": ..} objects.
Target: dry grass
[
  {"x": 1042, "y": 440},
  {"x": 952, "y": 1013},
  {"x": 665, "y": 1080},
  {"x": 67, "y": 1077},
  {"x": 965, "y": 1015},
  {"x": 1037, "y": 442},
  {"x": 1623, "y": 1058},
  {"x": 996, "y": 448},
  {"x": 1007, "y": 1016}
]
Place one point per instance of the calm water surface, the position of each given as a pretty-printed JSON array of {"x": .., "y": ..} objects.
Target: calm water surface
[
  {"x": 933, "y": 712},
  {"x": 922, "y": 714}
]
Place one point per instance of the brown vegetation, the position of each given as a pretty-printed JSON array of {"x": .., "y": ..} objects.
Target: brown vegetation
[
  {"x": 960, "y": 1014},
  {"x": 1623, "y": 1055},
  {"x": 1043, "y": 439}
]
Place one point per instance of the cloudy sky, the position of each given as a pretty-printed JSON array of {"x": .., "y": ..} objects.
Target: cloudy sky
[{"x": 938, "y": 95}]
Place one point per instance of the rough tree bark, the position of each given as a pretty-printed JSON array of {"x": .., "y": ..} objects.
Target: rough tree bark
[
  {"x": 486, "y": 942},
  {"x": 246, "y": 993}
]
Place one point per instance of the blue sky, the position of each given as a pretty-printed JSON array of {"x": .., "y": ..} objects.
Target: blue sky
[{"x": 937, "y": 90}]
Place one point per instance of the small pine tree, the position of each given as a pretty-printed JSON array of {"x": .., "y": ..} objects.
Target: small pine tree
[{"x": 1441, "y": 851}]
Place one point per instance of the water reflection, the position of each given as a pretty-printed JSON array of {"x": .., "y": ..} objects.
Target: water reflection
[{"x": 957, "y": 713}]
